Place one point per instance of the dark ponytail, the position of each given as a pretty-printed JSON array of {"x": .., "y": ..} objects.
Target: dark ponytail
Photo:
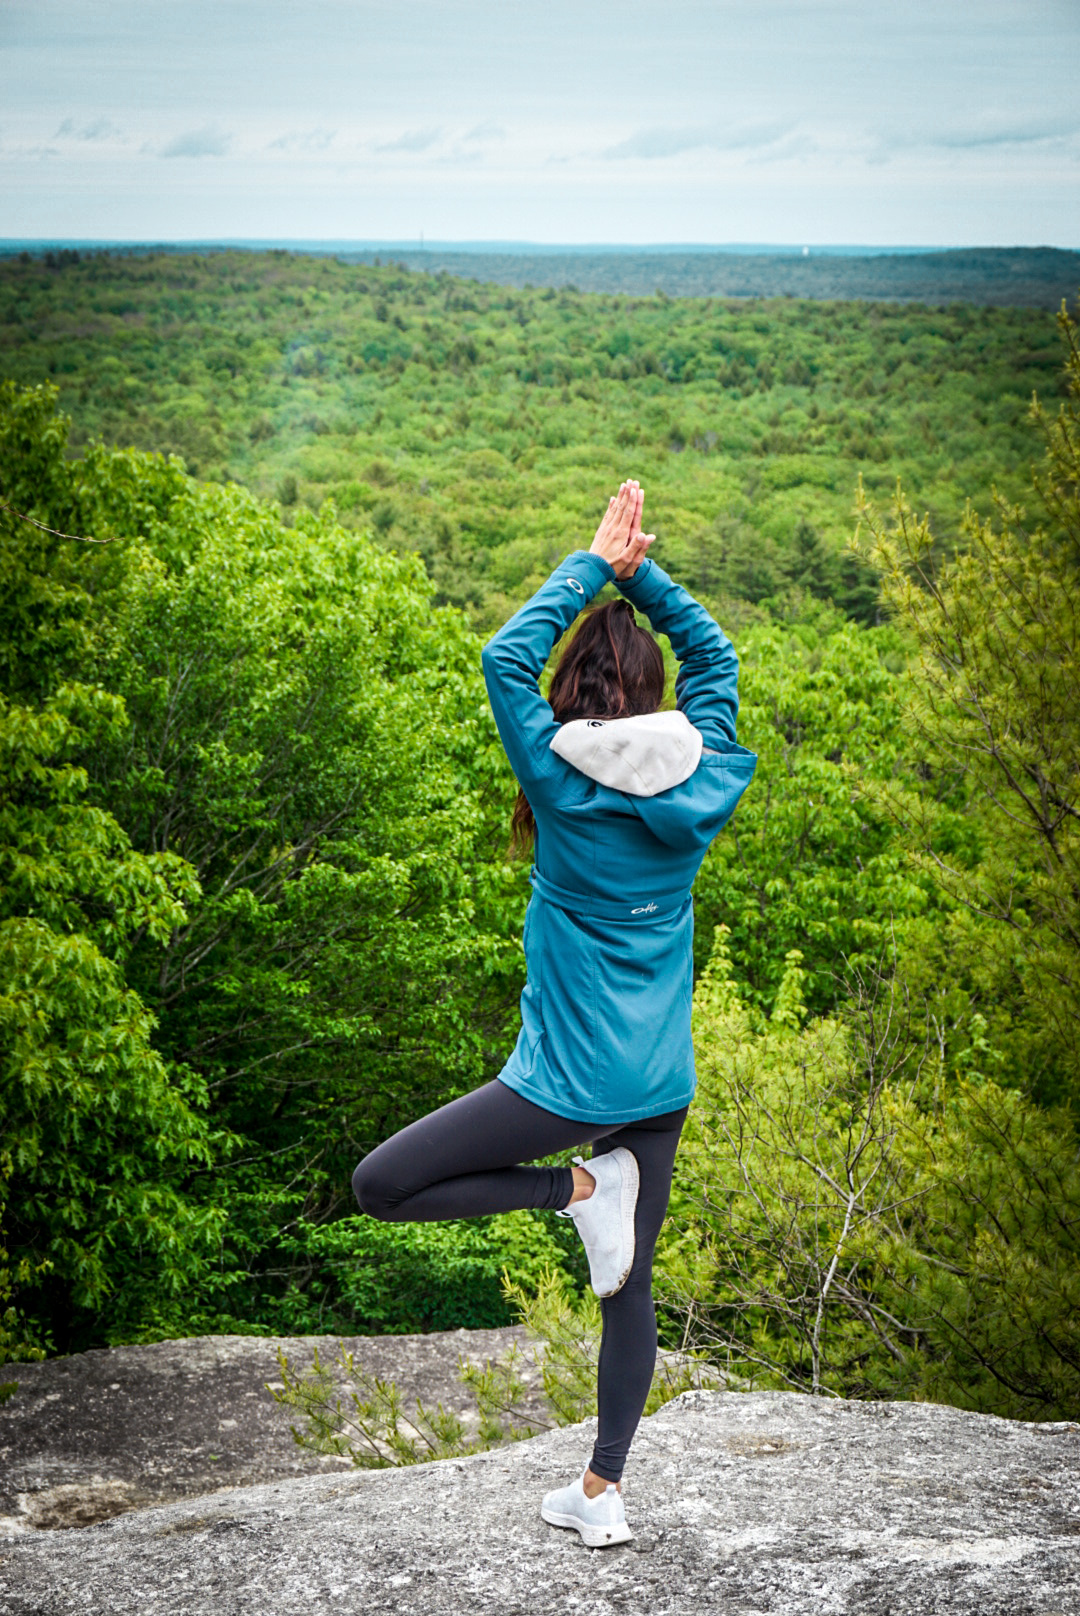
[{"x": 611, "y": 668}]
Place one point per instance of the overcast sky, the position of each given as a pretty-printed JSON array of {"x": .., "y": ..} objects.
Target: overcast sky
[{"x": 797, "y": 121}]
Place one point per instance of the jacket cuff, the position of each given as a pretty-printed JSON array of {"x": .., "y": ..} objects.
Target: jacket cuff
[
  {"x": 629, "y": 585},
  {"x": 590, "y": 570}
]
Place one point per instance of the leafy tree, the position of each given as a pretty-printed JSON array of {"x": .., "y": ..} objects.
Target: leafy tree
[
  {"x": 994, "y": 1247},
  {"x": 297, "y": 747},
  {"x": 877, "y": 1203},
  {"x": 97, "y": 1134},
  {"x": 399, "y": 1278},
  {"x": 807, "y": 862},
  {"x": 15, "y": 1346},
  {"x": 312, "y": 738},
  {"x": 991, "y": 706},
  {"x": 856, "y": 1216}
]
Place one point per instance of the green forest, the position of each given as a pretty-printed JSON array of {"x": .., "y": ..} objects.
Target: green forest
[
  {"x": 480, "y": 425},
  {"x": 1029, "y": 277},
  {"x": 259, "y": 514}
]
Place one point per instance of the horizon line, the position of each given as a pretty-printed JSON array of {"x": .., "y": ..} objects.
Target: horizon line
[{"x": 419, "y": 244}]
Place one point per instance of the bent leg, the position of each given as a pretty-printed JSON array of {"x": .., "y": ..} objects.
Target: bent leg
[
  {"x": 462, "y": 1161},
  {"x": 628, "y": 1343}
]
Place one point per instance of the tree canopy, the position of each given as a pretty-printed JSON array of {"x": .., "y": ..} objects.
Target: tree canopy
[{"x": 257, "y": 907}]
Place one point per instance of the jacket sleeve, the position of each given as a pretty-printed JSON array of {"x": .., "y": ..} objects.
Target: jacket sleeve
[
  {"x": 514, "y": 658},
  {"x": 706, "y": 688}
]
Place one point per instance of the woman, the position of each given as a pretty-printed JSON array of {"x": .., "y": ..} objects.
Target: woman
[{"x": 623, "y": 801}]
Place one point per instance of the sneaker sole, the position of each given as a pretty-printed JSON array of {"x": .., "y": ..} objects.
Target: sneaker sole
[
  {"x": 594, "y": 1537},
  {"x": 627, "y": 1206}
]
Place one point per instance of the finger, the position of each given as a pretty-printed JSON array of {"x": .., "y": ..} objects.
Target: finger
[
  {"x": 605, "y": 520},
  {"x": 624, "y": 521},
  {"x": 634, "y": 554},
  {"x": 635, "y": 527}
]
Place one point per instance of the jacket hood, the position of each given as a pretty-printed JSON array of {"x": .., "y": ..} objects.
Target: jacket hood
[{"x": 643, "y": 755}]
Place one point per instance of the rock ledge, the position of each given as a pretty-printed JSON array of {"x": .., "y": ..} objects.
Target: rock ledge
[
  {"x": 741, "y": 1503},
  {"x": 98, "y": 1433}
]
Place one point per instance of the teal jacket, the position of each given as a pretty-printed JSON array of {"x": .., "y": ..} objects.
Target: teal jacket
[{"x": 608, "y": 937}]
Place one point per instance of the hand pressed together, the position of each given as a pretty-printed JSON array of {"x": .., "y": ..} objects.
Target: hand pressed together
[{"x": 619, "y": 538}]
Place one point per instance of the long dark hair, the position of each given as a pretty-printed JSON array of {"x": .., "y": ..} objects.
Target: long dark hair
[{"x": 611, "y": 668}]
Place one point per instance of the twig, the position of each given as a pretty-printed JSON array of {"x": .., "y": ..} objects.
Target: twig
[{"x": 81, "y": 538}]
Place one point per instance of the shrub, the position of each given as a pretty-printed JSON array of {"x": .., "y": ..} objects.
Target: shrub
[
  {"x": 856, "y": 1218},
  {"x": 398, "y": 1278},
  {"x": 352, "y": 1414}
]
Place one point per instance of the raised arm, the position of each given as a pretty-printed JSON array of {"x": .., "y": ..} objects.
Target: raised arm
[
  {"x": 706, "y": 688},
  {"x": 514, "y": 658}
]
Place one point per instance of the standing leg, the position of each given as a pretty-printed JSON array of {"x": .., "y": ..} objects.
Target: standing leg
[
  {"x": 628, "y": 1343},
  {"x": 463, "y": 1161}
]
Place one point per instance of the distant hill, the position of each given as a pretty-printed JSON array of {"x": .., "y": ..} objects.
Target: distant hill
[
  {"x": 1017, "y": 277},
  {"x": 1002, "y": 277}
]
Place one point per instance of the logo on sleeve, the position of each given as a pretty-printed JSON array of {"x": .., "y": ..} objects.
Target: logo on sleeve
[{"x": 575, "y": 585}]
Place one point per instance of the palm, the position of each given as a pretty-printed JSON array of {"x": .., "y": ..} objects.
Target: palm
[{"x": 619, "y": 538}]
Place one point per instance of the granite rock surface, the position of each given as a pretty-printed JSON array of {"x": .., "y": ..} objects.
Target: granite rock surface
[
  {"x": 98, "y": 1433},
  {"x": 740, "y": 1503}
]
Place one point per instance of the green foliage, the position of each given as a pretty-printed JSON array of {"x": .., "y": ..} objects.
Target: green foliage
[
  {"x": 569, "y": 1328},
  {"x": 15, "y": 1343},
  {"x": 990, "y": 704},
  {"x": 364, "y": 1419},
  {"x": 995, "y": 1186},
  {"x": 786, "y": 1178},
  {"x": 874, "y": 1202},
  {"x": 98, "y": 1135},
  {"x": 400, "y": 1278},
  {"x": 808, "y": 862},
  {"x": 304, "y": 897},
  {"x": 254, "y": 907},
  {"x": 312, "y": 737},
  {"x": 360, "y": 1416},
  {"x": 868, "y": 1222},
  {"x": 482, "y": 423}
]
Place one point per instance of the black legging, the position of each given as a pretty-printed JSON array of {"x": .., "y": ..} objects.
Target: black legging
[{"x": 462, "y": 1161}]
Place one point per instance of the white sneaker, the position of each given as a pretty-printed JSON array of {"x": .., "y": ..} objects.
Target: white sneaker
[
  {"x": 600, "y": 1520},
  {"x": 605, "y": 1221}
]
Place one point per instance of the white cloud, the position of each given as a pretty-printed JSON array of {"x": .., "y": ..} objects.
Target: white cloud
[
  {"x": 97, "y": 129},
  {"x": 770, "y": 142},
  {"x": 413, "y": 140},
  {"x": 981, "y": 136},
  {"x": 483, "y": 133},
  {"x": 303, "y": 140},
  {"x": 668, "y": 141},
  {"x": 207, "y": 142}
]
